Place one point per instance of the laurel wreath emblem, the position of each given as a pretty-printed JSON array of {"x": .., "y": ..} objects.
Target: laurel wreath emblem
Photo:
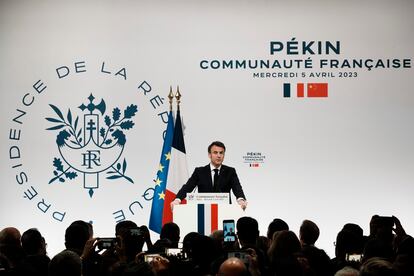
[{"x": 70, "y": 134}]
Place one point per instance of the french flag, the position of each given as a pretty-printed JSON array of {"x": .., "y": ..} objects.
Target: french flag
[
  {"x": 207, "y": 218},
  {"x": 313, "y": 90},
  {"x": 178, "y": 171}
]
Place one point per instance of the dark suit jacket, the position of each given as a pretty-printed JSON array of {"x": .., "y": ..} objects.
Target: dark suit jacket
[{"x": 201, "y": 178}]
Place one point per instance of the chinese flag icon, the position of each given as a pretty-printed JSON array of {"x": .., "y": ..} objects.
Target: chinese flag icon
[{"x": 317, "y": 90}]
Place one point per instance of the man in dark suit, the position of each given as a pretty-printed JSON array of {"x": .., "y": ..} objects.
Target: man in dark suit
[{"x": 215, "y": 177}]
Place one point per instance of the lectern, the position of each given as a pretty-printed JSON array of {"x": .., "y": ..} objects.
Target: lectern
[{"x": 205, "y": 212}]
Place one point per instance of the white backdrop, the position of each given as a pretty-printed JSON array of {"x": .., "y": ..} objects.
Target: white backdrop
[{"x": 333, "y": 160}]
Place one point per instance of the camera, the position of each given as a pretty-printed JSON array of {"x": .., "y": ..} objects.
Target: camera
[
  {"x": 242, "y": 255},
  {"x": 353, "y": 257},
  {"x": 385, "y": 221},
  {"x": 175, "y": 253},
  {"x": 106, "y": 243},
  {"x": 151, "y": 257},
  {"x": 135, "y": 232}
]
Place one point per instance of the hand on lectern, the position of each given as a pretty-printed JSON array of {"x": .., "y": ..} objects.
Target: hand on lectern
[
  {"x": 243, "y": 203},
  {"x": 176, "y": 201}
]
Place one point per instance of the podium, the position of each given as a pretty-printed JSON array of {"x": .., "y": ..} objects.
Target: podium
[{"x": 205, "y": 212}]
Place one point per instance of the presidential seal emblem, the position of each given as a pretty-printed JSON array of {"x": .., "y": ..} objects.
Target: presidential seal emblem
[{"x": 93, "y": 147}]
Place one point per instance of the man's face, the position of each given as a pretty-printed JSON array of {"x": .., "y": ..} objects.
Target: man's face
[{"x": 216, "y": 156}]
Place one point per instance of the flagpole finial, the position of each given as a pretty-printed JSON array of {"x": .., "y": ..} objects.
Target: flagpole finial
[
  {"x": 171, "y": 97},
  {"x": 178, "y": 97}
]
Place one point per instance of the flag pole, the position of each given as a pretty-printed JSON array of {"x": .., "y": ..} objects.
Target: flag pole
[
  {"x": 171, "y": 97},
  {"x": 178, "y": 97}
]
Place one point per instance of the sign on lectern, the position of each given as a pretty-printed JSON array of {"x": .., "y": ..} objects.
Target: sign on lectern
[
  {"x": 207, "y": 198},
  {"x": 205, "y": 212}
]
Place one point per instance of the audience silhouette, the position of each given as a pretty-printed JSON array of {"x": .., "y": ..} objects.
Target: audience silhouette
[{"x": 387, "y": 250}]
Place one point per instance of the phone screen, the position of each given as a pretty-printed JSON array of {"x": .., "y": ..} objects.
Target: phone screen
[
  {"x": 353, "y": 257},
  {"x": 106, "y": 243},
  {"x": 151, "y": 257},
  {"x": 173, "y": 251},
  {"x": 240, "y": 255},
  {"x": 229, "y": 231}
]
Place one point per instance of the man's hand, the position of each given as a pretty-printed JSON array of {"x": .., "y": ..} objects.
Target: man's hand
[
  {"x": 89, "y": 248},
  {"x": 242, "y": 203},
  {"x": 398, "y": 230},
  {"x": 176, "y": 201},
  {"x": 160, "y": 265}
]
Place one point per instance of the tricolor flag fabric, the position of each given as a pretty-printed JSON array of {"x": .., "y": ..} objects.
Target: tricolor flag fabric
[
  {"x": 171, "y": 175},
  {"x": 207, "y": 218},
  {"x": 178, "y": 171},
  {"x": 157, "y": 208},
  {"x": 313, "y": 90}
]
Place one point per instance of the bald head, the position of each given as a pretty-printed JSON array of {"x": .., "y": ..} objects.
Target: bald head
[
  {"x": 10, "y": 236},
  {"x": 232, "y": 267}
]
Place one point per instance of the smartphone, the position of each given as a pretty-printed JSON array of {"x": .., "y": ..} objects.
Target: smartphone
[
  {"x": 229, "y": 230},
  {"x": 106, "y": 243},
  {"x": 150, "y": 257},
  {"x": 353, "y": 257},
  {"x": 386, "y": 221},
  {"x": 173, "y": 251},
  {"x": 135, "y": 231},
  {"x": 242, "y": 255}
]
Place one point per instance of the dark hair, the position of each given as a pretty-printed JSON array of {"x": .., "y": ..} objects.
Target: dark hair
[
  {"x": 66, "y": 263},
  {"x": 247, "y": 229},
  {"x": 285, "y": 244},
  {"x": 377, "y": 266},
  {"x": 348, "y": 242},
  {"x": 32, "y": 241},
  {"x": 170, "y": 231},
  {"x": 125, "y": 224},
  {"x": 217, "y": 144},
  {"x": 309, "y": 232},
  {"x": 276, "y": 225},
  {"x": 76, "y": 235}
]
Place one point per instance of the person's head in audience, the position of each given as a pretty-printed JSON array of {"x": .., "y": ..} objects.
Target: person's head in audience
[
  {"x": 125, "y": 224},
  {"x": 381, "y": 229},
  {"x": 218, "y": 238},
  {"x": 188, "y": 243},
  {"x": 283, "y": 254},
  {"x": 76, "y": 236},
  {"x": 354, "y": 228},
  {"x": 201, "y": 250},
  {"x": 284, "y": 244},
  {"x": 10, "y": 245},
  {"x": 131, "y": 241},
  {"x": 66, "y": 263},
  {"x": 10, "y": 236},
  {"x": 276, "y": 225},
  {"x": 232, "y": 267},
  {"x": 171, "y": 232},
  {"x": 33, "y": 243},
  {"x": 247, "y": 231},
  {"x": 348, "y": 242},
  {"x": 377, "y": 267},
  {"x": 347, "y": 271},
  {"x": 308, "y": 233}
]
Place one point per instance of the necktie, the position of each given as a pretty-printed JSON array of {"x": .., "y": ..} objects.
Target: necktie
[{"x": 215, "y": 180}]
